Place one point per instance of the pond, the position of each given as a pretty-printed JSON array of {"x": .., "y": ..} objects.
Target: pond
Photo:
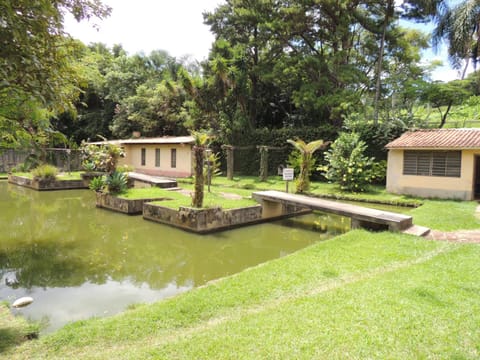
[{"x": 77, "y": 261}]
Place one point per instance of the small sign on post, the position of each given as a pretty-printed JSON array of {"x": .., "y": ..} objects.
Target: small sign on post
[{"x": 288, "y": 175}]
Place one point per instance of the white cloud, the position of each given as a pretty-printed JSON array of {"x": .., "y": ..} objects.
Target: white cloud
[{"x": 146, "y": 25}]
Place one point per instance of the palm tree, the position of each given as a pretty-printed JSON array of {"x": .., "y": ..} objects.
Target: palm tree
[
  {"x": 460, "y": 28},
  {"x": 200, "y": 141},
  {"x": 306, "y": 161}
]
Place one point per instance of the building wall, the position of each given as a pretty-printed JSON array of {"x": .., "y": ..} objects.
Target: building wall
[
  {"x": 183, "y": 165},
  {"x": 431, "y": 186}
]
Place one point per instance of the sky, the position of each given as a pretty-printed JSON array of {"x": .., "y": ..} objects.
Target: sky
[
  {"x": 145, "y": 25},
  {"x": 175, "y": 26}
]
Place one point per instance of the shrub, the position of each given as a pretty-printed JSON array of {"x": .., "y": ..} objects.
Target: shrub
[
  {"x": 348, "y": 166},
  {"x": 103, "y": 156},
  {"x": 379, "y": 172},
  {"x": 116, "y": 182},
  {"x": 22, "y": 167},
  {"x": 45, "y": 172},
  {"x": 305, "y": 160},
  {"x": 96, "y": 184},
  {"x": 88, "y": 166}
]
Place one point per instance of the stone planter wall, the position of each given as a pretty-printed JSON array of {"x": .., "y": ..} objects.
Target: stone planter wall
[
  {"x": 125, "y": 206},
  {"x": 42, "y": 185},
  {"x": 208, "y": 220}
]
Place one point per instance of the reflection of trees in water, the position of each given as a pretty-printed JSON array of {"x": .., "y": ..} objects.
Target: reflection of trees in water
[
  {"x": 59, "y": 239},
  {"x": 158, "y": 262}
]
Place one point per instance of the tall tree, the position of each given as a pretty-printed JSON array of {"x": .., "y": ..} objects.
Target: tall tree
[
  {"x": 294, "y": 63},
  {"x": 387, "y": 18}
]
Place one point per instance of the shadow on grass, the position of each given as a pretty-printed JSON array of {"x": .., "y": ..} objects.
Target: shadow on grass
[{"x": 13, "y": 336}]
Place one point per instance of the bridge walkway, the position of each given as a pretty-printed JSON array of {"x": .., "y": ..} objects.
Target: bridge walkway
[{"x": 361, "y": 216}]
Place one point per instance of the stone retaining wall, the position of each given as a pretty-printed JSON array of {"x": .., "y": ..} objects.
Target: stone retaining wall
[
  {"x": 212, "y": 219},
  {"x": 126, "y": 206},
  {"x": 42, "y": 185}
]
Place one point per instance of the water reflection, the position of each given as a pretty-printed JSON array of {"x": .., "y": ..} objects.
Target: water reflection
[{"x": 78, "y": 261}]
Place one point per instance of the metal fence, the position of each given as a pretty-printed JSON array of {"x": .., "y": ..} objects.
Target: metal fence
[{"x": 63, "y": 159}]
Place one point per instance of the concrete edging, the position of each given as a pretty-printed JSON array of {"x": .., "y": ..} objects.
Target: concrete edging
[{"x": 42, "y": 185}]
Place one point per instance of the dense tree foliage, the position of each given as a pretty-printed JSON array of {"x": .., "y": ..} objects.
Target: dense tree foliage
[
  {"x": 284, "y": 63},
  {"x": 277, "y": 70},
  {"x": 36, "y": 70}
]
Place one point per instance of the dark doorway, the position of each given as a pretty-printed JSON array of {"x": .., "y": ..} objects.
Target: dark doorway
[{"x": 476, "y": 179}]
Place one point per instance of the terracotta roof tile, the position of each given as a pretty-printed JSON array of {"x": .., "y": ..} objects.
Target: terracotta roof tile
[
  {"x": 160, "y": 140},
  {"x": 438, "y": 138},
  {"x": 157, "y": 140}
]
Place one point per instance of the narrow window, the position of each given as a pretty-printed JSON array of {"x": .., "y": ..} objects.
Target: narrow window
[
  {"x": 144, "y": 156},
  {"x": 157, "y": 157},
  {"x": 173, "y": 158}
]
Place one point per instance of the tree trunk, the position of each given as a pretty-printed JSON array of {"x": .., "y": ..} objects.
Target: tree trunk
[
  {"x": 378, "y": 85},
  {"x": 230, "y": 163},
  {"x": 263, "y": 163},
  {"x": 444, "y": 115},
  {"x": 198, "y": 154}
]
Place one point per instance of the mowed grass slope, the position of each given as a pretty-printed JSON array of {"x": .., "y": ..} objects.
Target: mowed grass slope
[{"x": 359, "y": 295}]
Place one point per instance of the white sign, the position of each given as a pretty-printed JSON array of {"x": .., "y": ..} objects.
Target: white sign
[{"x": 288, "y": 174}]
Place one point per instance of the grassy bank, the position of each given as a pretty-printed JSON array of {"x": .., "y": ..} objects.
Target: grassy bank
[
  {"x": 360, "y": 295},
  {"x": 14, "y": 330}
]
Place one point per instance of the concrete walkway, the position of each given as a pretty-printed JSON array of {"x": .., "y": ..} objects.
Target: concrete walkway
[
  {"x": 158, "y": 181},
  {"x": 461, "y": 236}
]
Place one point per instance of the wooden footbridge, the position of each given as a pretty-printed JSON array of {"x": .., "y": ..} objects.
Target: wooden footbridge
[{"x": 274, "y": 203}]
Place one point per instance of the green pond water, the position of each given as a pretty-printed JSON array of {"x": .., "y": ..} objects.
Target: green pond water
[{"x": 77, "y": 261}]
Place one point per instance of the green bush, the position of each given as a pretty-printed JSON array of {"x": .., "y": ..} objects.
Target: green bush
[
  {"x": 348, "y": 166},
  {"x": 104, "y": 156},
  {"x": 88, "y": 166},
  {"x": 116, "y": 182},
  {"x": 22, "y": 167},
  {"x": 45, "y": 172},
  {"x": 96, "y": 184},
  {"x": 379, "y": 172}
]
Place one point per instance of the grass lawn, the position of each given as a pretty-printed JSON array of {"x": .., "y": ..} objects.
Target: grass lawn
[
  {"x": 252, "y": 183},
  {"x": 447, "y": 215},
  {"x": 359, "y": 295},
  {"x": 226, "y": 198}
]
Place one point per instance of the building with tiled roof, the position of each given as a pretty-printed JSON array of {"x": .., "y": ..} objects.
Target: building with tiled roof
[
  {"x": 160, "y": 156},
  {"x": 438, "y": 139},
  {"x": 441, "y": 163}
]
